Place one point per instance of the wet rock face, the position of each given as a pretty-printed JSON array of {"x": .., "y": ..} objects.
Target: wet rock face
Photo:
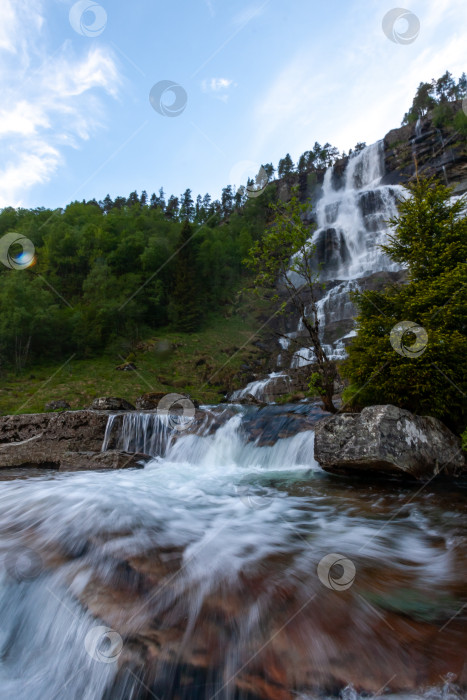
[
  {"x": 388, "y": 440},
  {"x": 66, "y": 441},
  {"x": 439, "y": 151}
]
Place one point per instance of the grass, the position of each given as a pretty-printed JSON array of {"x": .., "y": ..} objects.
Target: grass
[{"x": 205, "y": 365}]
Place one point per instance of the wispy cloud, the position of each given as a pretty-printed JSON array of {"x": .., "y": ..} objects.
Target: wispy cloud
[
  {"x": 219, "y": 87},
  {"x": 216, "y": 84},
  {"x": 367, "y": 85},
  {"x": 210, "y": 6},
  {"x": 48, "y": 102}
]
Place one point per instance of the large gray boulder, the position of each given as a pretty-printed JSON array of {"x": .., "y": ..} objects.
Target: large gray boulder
[{"x": 387, "y": 440}]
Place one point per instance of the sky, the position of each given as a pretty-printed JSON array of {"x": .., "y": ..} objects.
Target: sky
[{"x": 232, "y": 84}]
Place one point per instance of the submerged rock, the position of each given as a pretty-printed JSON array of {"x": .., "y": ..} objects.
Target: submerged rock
[
  {"x": 388, "y": 440},
  {"x": 111, "y": 459}
]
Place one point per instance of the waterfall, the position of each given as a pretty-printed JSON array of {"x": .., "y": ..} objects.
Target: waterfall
[
  {"x": 148, "y": 433},
  {"x": 418, "y": 127},
  {"x": 264, "y": 389},
  {"x": 352, "y": 222}
]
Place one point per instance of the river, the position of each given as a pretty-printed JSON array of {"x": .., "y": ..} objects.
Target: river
[{"x": 207, "y": 575}]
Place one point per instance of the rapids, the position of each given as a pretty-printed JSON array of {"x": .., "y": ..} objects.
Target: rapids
[{"x": 201, "y": 576}]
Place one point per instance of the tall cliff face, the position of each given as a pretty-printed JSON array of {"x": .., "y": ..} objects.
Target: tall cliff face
[
  {"x": 434, "y": 151},
  {"x": 351, "y": 205}
]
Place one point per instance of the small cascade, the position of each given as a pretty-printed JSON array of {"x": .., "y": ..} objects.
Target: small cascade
[
  {"x": 264, "y": 389},
  {"x": 148, "y": 433},
  {"x": 418, "y": 127}
]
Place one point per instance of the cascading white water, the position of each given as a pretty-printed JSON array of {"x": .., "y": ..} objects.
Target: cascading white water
[
  {"x": 148, "y": 433},
  {"x": 210, "y": 554},
  {"x": 264, "y": 389},
  {"x": 352, "y": 222}
]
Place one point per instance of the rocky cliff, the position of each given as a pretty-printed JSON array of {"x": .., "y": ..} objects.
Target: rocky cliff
[{"x": 351, "y": 205}]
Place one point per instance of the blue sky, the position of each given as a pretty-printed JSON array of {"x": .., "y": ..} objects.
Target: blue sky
[{"x": 262, "y": 78}]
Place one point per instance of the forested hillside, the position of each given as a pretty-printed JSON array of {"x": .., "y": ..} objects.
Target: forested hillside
[{"x": 108, "y": 275}]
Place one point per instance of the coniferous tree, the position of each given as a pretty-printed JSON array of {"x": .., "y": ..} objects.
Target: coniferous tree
[
  {"x": 286, "y": 166},
  {"x": 133, "y": 199},
  {"x": 171, "y": 210},
  {"x": 427, "y": 372},
  {"x": 227, "y": 201},
  {"x": 185, "y": 307},
  {"x": 187, "y": 209},
  {"x": 269, "y": 169}
]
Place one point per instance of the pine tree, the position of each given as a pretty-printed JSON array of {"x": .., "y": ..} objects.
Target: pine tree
[
  {"x": 187, "y": 209},
  {"x": 285, "y": 167}
]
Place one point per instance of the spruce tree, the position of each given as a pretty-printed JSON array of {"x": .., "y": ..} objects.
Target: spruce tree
[{"x": 185, "y": 307}]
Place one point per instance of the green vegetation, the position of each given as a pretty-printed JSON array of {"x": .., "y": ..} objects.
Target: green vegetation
[
  {"x": 436, "y": 96},
  {"x": 284, "y": 256},
  {"x": 430, "y": 376},
  {"x": 205, "y": 364},
  {"x": 121, "y": 270}
]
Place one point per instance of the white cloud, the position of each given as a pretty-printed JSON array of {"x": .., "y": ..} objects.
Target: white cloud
[
  {"x": 48, "y": 102},
  {"x": 219, "y": 87},
  {"x": 216, "y": 84},
  {"x": 358, "y": 86}
]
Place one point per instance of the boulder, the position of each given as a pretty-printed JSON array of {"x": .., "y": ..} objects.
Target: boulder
[
  {"x": 387, "y": 440},
  {"x": 150, "y": 401},
  {"x": 249, "y": 400},
  {"x": 70, "y": 430},
  {"x": 111, "y": 403},
  {"x": 59, "y": 405}
]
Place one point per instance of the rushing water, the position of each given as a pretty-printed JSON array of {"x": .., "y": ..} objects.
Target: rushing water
[
  {"x": 204, "y": 566},
  {"x": 352, "y": 217}
]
